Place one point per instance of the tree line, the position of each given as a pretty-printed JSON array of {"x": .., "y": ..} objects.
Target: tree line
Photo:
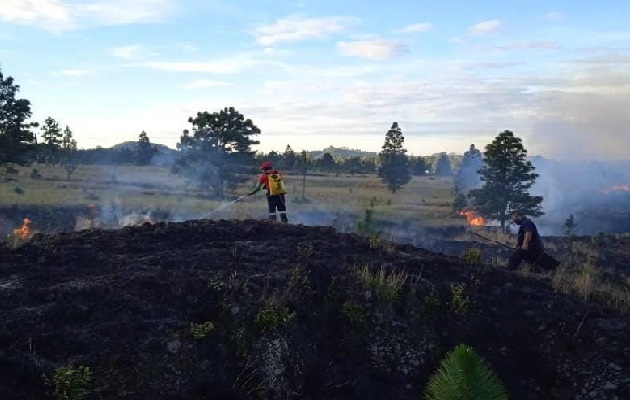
[{"x": 217, "y": 154}]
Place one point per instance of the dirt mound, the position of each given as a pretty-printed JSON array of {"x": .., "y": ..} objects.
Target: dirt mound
[{"x": 252, "y": 309}]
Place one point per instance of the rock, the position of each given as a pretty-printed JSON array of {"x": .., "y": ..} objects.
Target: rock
[
  {"x": 235, "y": 310},
  {"x": 609, "y": 386},
  {"x": 173, "y": 345}
]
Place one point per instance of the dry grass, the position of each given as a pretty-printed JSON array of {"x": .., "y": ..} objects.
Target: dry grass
[{"x": 424, "y": 199}]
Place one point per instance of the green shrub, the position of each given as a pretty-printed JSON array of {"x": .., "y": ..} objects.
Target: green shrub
[
  {"x": 272, "y": 317},
  {"x": 71, "y": 383},
  {"x": 460, "y": 303},
  {"x": 472, "y": 256},
  {"x": 463, "y": 375},
  {"x": 200, "y": 331}
]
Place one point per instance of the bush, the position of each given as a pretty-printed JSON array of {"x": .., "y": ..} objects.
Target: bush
[{"x": 463, "y": 374}]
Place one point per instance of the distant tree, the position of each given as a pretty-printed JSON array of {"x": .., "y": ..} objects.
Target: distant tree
[
  {"x": 467, "y": 176},
  {"x": 16, "y": 137},
  {"x": 51, "y": 139},
  {"x": 68, "y": 144},
  {"x": 327, "y": 163},
  {"x": 394, "y": 164},
  {"x": 217, "y": 150},
  {"x": 418, "y": 166},
  {"x": 569, "y": 225},
  {"x": 443, "y": 165},
  {"x": 68, "y": 151},
  {"x": 507, "y": 177},
  {"x": 144, "y": 151},
  {"x": 288, "y": 158}
]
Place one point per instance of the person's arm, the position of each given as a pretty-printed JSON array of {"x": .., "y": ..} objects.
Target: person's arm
[
  {"x": 256, "y": 189},
  {"x": 526, "y": 239}
]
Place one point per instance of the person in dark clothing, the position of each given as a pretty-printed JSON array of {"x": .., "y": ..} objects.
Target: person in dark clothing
[
  {"x": 274, "y": 201},
  {"x": 529, "y": 246}
]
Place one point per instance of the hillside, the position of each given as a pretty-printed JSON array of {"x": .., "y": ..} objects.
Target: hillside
[{"x": 296, "y": 313}]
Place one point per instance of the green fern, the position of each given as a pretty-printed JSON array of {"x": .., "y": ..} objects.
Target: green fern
[{"x": 463, "y": 375}]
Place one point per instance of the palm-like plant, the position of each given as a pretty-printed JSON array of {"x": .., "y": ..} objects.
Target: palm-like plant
[{"x": 463, "y": 375}]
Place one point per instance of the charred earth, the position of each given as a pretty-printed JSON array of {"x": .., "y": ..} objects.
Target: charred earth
[{"x": 250, "y": 309}]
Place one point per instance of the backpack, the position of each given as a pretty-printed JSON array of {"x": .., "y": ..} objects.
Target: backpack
[{"x": 276, "y": 185}]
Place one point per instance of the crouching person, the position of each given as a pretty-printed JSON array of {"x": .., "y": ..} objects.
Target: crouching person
[
  {"x": 271, "y": 181},
  {"x": 529, "y": 246}
]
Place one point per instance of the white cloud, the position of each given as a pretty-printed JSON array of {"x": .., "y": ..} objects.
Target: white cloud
[
  {"x": 132, "y": 52},
  {"x": 372, "y": 49},
  {"x": 295, "y": 28},
  {"x": 60, "y": 15},
  {"x": 222, "y": 66},
  {"x": 420, "y": 27},
  {"x": 553, "y": 16},
  {"x": 75, "y": 72},
  {"x": 204, "y": 83},
  {"x": 527, "y": 45},
  {"x": 485, "y": 27}
]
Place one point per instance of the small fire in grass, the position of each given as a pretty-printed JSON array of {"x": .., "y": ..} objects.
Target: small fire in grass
[
  {"x": 472, "y": 218},
  {"x": 24, "y": 231}
]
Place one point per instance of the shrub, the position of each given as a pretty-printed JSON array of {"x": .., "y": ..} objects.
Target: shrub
[
  {"x": 200, "y": 331},
  {"x": 460, "y": 303},
  {"x": 463, "y": 374},
  {"x": 272, "y": 317},
  {"x": 472, "y": 256},
  {"x": 71, "y": 383}
]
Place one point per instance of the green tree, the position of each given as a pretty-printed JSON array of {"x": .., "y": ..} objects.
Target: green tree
[
  {"x": 16, "y": 136},
  {"x": 144, "y": 151},
  {"x": 467, "y": 176},
  {"x": 327, "y": 163},
  {"x": 51, "y": 139},
  {"x": 443, "y": 165},
  {"x": 418, "y": 166},
  {"x": 288, "y": 158},
  {"x": 68, "y": 152},
  {"x": 218, "y": 152},
  {"x": 394, "y": 164},
  {"x": 507, "y": 177}
]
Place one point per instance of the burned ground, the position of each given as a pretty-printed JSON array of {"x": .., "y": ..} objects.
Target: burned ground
[{"x": 296, "y": 312}]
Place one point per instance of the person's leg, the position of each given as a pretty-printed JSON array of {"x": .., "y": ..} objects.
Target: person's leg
[
  {"x": 271, "y": 203},
  {"x": 282, "y": 207},
  {"x": 515, "y": 259}
]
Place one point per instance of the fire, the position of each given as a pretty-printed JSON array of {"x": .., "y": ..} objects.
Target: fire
[
  {"x": 472, "y": 218},
  {"x": 23, "y": 231}
]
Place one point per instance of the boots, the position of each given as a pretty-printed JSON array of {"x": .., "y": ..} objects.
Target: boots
[
  {"x": 283, "y": 217},
  {"x": 272, "y": 217}
]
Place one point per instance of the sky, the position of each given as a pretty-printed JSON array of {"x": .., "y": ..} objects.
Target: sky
[{"x": 314, "y": 73}]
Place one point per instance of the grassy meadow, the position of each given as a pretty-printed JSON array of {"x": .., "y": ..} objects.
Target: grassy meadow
[{"x": 424, "y": 200}]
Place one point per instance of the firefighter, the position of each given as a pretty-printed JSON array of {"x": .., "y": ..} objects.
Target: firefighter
[
  {"x": 529, "y": 245},
  {"x": 271, "y": 181}
]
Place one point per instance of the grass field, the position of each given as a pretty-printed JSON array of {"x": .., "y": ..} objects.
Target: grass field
[{"x": 424, "y": 199}]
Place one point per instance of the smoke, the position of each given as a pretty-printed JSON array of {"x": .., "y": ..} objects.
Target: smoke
[
  {"x": 585, "y": 115},
  {"x": 592, "y": 191}
]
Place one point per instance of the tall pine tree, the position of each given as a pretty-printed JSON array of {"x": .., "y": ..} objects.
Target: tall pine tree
[
  {"x": 393, "y": 160},
  {"x": 16, "y": 136},
  {"x": 507, "y": 177},
  {"x": 51, "y": 139}
]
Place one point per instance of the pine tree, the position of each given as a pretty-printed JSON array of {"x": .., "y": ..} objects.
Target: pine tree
[
  {"x": 507, "y": 177},
  {"x": 16, "y": 136},
  {"x": 219, "y": 149},
  {"x": 51, "y": 139},
  {"x": 68, "y": 144},
  {"x": 467, "y": 176},
  {"x": 394, "y": 163},
  {"x": 145, "y": 150},
  {"x": 68, "y": 150},
  {"x": 443, "y": 165}
]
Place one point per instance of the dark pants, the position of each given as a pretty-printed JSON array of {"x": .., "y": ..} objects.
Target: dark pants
[
  {"x": 277, "y": 203},
  {"x": 530, "y": 255}
]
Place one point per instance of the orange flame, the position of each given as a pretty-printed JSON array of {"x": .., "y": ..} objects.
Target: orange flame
[
  {"x": 23, "y": 231},
  {"x": 472, "y": 218}
]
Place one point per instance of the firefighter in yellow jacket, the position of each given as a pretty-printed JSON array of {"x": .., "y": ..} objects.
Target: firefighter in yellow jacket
[{"x": 271, "y": 181}]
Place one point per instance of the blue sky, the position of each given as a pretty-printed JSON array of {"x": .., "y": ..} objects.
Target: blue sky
[{"x": 318, "y": 73}]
